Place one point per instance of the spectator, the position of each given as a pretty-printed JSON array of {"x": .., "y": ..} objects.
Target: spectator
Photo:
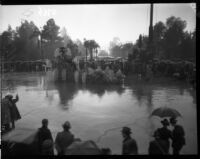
[
  {"x": 15, "y": 115},
  {"x": 44, "y": 134},
  {"x": 129, "y": 144},
  {"x": 6, "y": 113},
  {"x": 165, "y": 134},
  {"x": 47, "y": 147},
  {"x": 64, "y": 138},
  {"x": 178, "y": 137},
  {"x": 157, "y": 146}
]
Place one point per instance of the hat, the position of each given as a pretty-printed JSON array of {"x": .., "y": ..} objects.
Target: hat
[
  {"x": 165, "y": 122},
  {"x": 126, "y": 130},
  {"x": 67, "y": 124},
  {"x": 173, "y": 120}
]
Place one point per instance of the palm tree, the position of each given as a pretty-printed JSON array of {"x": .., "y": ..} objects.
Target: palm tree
[
  {"x": 91, "y": 45},
  {"x": 86, "y": 44},
  {"x": 95, "y": 48}
]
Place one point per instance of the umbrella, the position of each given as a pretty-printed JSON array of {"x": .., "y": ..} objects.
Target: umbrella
[
  {"x": 83, "y": 148},
  {"x": 165, "y": 112}
]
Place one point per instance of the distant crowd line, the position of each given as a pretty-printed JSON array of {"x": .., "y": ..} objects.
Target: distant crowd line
[{"x": 181, "y": 70}]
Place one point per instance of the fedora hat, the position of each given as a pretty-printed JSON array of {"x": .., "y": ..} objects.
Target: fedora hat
[
  {"x": 126, "y": 130},
  {"x": 165, "y": 122}
]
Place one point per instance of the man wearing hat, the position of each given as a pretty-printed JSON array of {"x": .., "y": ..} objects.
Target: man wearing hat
[
  {"x": 165, "y": 133},
  {"x": 129, "y": 144},
  {"x": 178, "y": 136},
  {"x": 64, "y": 138}
]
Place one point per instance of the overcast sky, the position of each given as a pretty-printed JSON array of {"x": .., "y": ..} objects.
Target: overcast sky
[{"x": 99, "y": 22}]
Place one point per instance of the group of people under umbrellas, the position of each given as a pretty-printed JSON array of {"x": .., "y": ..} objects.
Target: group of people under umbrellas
[{"x": 161, "y": 144}]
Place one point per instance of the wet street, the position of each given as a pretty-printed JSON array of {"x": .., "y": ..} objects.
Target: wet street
[{"x": 97, "y": 112}]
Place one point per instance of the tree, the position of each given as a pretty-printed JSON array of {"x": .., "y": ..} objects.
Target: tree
[
  {"x": 50, "y": 31},
  {"x": 126, "y": 49},
  {"x": 50, "y": 38},
  {"x": 6, "y": 44},
  {"x": 173, "y": 36},
  {"x": 91, "y": 45},
  {"x": 187, "y": 47},
  {"x": 73, "y": 48},
  {"x": 140, "y": 41},
  {"x": 26, "y": 41}
]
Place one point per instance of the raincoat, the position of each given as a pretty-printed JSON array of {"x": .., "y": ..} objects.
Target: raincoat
[
  {"x": 178, "y": 140},
  {"x": 15, "y": 115},
  {"x": 6, "y": 111},
  {"x": 63, "y": 140},
  {"x": 165, "y": 135},
  {"x": 157, "y": 147},
  {"x": 129, "y": 147}
]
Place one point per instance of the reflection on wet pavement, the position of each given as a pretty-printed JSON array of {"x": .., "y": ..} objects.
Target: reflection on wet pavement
[{"x": 93, "y": 109}]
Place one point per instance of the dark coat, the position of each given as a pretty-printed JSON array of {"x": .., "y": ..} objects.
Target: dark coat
[
  {"x": 43, "y": 134},
  {"x": 157, "y": 147},
  {"x": 165, "y": 134},
  {"x": 15, "y": 115},
  {"x": 129, "y": 147},
  {"x": 178, "y": 136},
  {"x": 5, "y": 111},
  {"x": 63, "y": 140}
]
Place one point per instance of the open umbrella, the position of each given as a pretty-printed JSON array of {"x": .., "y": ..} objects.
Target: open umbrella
[
  {"x": 83, "y": 148},
  {"x": 165, "y": 112}
]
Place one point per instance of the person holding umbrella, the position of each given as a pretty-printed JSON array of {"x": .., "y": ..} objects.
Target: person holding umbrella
[
  {"x": 165, "y": 134},
  {"x": 178, "y": 136}
]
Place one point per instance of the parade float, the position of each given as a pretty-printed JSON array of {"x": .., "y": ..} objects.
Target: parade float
[{"x": 65, "y": 67}]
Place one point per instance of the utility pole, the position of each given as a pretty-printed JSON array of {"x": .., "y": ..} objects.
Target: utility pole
[
  {"x": 151, "y": 25},
  {"x": 150, "y": 42}
]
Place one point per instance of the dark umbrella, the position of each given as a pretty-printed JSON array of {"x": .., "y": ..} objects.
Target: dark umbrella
[{"x": 165, "y": 112}]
